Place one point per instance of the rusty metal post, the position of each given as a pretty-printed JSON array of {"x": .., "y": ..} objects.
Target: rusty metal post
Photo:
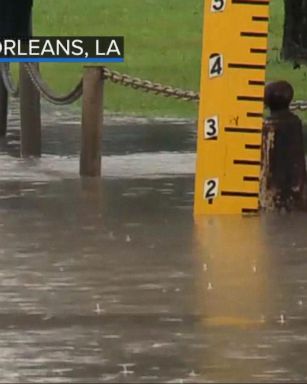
[
  {"x": 3, "y": 108},
  {"x": 30, "y": 116},
  {"x": 92, "y": 119}
]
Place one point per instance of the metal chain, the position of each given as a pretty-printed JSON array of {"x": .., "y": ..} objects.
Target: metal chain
[
  {"x": 115, "y": 77},
  {"x": 47, "y": 93},
  {"x": 148, "y": 86},
  {"x": 12, "y": 89},
  {"x": 168, "y": 91},
  {"x": 299, "y": 105}
]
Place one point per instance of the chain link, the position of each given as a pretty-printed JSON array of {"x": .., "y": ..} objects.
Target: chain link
[
  {"x": 149, "y": 86},
  {"x": 12, "y": 89},
  {"x": 168, "y": 91},
  {"x": 47, "y": 93},
  {"x": 299, "y": 105}
]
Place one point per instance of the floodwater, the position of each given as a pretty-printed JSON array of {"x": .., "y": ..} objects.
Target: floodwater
[{"x": 111, "y": 280}]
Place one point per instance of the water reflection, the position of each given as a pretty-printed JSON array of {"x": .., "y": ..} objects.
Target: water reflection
[
  {"x": 249, "y": 309},
  {"x": 234, "y": 282}
]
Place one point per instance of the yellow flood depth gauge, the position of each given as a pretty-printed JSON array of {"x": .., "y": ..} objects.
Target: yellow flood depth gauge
[{"x": 231, "y": 106}]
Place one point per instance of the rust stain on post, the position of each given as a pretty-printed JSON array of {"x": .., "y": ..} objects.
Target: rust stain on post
[
  {"x": 30, "y": 116},
  {"x": 3, "y": 108},
  {"x": 92, "y": 118}
]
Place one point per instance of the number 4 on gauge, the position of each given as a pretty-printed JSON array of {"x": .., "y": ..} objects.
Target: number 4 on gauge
[
  {"x": 216, "y": 65},
  {"x": 211, "y": 189}
]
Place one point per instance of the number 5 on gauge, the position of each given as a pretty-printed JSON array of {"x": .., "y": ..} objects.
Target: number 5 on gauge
[
  {"x": 218, "y": 5},
  {"x": 211, "y": 189}
]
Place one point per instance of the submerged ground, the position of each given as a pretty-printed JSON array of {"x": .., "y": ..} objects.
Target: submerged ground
[{"x": 111, "y": 280}]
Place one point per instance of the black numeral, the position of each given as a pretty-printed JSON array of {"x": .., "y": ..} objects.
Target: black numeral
[
  {"x": 215, "y": 65},
  {"x": 211, "y": 127},
  {"x": 211, "y": 189},
  {"x": 218, "y": 5}
]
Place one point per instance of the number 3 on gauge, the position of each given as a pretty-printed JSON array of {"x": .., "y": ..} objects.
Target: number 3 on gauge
[
  {"x": 218, "y": 5},
  {"x": 211, "y": 128},
  {"x": 211, "y": 189}
]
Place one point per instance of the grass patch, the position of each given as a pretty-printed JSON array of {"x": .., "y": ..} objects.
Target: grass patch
[{"x": 163, "y": 44}]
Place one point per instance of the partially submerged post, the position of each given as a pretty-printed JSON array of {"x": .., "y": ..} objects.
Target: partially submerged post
[
  {"x": 30, "y": 116},
  {"x": 15, "y": 22},
  {"x": 92, "y": 118},
  {"x": 284, "y": 168},
  {"x": 3, "y": 108}
]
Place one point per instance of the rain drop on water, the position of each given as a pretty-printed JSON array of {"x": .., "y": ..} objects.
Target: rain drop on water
[
  {"x": 193, "y": 374},
  {"x": 282, "y": 319},
  {"x": 111, "y": 235},
  {"x": 98, "y": 309},
  {"x": 125, "y": 370}
]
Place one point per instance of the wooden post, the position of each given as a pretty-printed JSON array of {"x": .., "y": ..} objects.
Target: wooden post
[
  {"x": 30, "y": 116},
  {"x": 3, "y": 108},
  {"x": 92, "y": 118}
]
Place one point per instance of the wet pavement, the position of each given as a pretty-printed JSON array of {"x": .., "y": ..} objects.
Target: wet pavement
[{"x": 111, "y": 280}]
